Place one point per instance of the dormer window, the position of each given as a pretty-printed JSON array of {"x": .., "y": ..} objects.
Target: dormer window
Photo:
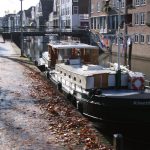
[{"x": 75, "y": 9}]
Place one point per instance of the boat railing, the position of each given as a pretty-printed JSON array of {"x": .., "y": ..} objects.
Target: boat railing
[{"x": 147, "y": 84}]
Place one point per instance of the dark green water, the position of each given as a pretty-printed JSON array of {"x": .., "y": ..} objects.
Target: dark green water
[{"x": 138, "y": 65}]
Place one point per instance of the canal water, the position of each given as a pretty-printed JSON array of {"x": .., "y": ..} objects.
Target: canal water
[
  {"x": 135, "y": 138},
  {"x": 137, "y": 64},
  {"x": 34, "y": 46}
]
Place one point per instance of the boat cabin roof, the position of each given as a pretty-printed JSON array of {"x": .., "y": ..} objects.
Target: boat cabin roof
[
  {"x": 71, "y": 45},
  {"x": 86, "y": 70}
]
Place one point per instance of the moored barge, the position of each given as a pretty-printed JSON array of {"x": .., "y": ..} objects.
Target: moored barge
[{"x": 74, "y": 68}]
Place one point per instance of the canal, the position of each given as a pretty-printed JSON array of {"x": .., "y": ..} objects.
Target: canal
[
  {"x": 34, "y": 46},
  {"x": 138, "y": 65}
]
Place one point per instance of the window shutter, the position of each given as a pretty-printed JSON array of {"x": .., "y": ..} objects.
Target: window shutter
[{"x": 148, "y": 18}]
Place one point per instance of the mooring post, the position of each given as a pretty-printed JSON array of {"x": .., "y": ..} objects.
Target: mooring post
[{"x": 118, "y": 142}]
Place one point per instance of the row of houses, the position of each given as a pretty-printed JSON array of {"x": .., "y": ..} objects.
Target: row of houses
[
  {"x": 50, "y": 14},
  {"x": 99, "y": 16},
  {"x": 35, "y": 16},
  {"x": 135, "y": 24}
]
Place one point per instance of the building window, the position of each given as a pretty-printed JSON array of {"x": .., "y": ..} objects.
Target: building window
[
  {"x": 98, "y": 7},
  {"x": 136, "y": 19},
  {"x": 102, "y": 22},
  {"x": 143, "y": 2},
  {"x": 137, "y": 2},
  {"x": 116, "y": 3},
  {"x": 92, "y": 8},
  {"x": 95, "y": 23},
  {"x": 122, "y": 3},
  {"x": 136, "y": 38},
  {"x": 62, "y": 1},
  {"x": 142, "y": 18},
  {"x": 142, "y": 38},
  {"x": 75, "y": 9},
  {"x": 92, "y": 23},
  {"x": 148, "y": 39}
]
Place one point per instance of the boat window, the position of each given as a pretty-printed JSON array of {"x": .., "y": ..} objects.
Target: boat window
[{"x": 74, "y": 78}]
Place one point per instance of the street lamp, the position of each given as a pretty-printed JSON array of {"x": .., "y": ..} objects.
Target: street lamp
[
  {"x": 119, "y": 21},
  {"x": 22, "y": 51},
  {"x": 118, "y": 78}
]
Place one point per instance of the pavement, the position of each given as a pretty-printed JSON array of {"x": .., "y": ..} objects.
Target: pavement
[{"x": 33, "y": 116}]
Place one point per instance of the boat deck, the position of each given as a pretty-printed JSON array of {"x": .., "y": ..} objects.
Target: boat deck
[
  {"x": 143, "y": 94},
  {"x": 86, "y": 70}
]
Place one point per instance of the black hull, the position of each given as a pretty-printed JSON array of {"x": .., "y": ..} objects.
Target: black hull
[
  {"x": 117, "y": 110},
  {"x": 128, "y": 113}
]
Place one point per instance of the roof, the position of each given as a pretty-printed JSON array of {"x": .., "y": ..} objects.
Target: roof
[
  {"x": 84, "y": 70},
  {"x": 47, "y": 8},
  {"x": 28, "y": 12},
  {"x": 70, "y": 45}
]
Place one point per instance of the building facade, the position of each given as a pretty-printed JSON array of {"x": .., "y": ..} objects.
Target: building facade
[
  {"x": 140, "y": 27},
  {"x": 74, "y": 14},
  {"x": 134, "y": 24}
]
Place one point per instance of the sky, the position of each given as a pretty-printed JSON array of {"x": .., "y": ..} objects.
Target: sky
[{"x": 12, "y": 6}]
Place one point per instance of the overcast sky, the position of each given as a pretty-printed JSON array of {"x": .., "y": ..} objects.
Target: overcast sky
[{"x": 15, "y": 5}]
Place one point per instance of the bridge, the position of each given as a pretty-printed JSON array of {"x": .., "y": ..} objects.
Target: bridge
[{"x": 42, "y": 30}]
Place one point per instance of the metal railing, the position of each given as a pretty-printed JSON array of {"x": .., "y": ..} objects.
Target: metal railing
[{"x": 43, "y": 29}]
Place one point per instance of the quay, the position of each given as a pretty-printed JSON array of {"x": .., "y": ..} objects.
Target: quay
[{"x": 31, "y": 115}]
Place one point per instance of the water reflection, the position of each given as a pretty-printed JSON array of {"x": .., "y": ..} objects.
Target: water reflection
[
  {"x": 138, "y": 65},
  {"x": 34, "y": 46}
]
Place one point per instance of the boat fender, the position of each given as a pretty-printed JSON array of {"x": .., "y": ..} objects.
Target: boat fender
[
  {"x": 138, "y": 83},
  {"x": 35, "y": 63},
  {"x": 91, "y": 93},
  {"x": 95, "y": 92},
  {"x": 59, "y": 86},
  {"x": 47, "y": 75},
  {"x": 98, "y": 92},
  {"x": 80, "y": 106},
  {"x": 69, "y": 97}
]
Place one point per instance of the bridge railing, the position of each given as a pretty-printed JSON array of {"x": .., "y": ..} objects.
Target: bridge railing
[{"x": 43, "y": 29}]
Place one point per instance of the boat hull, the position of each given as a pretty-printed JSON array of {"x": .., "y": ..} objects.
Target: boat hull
[
  {"x": 132, "y": 111},
  {"x": 120, "y": 110}
]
